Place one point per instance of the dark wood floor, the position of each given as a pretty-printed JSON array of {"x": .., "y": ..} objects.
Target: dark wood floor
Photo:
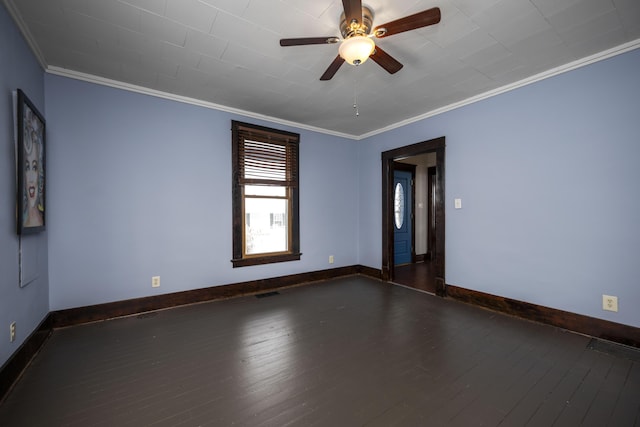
[
  {"x": 347, "y": 352},
  {"x": 419, "y": 275}
]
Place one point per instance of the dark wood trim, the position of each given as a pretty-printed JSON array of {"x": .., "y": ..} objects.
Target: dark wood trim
[
  {"x": 436, "y": 145},
  {"x": 12, "y": 369},
  {"x": 374, "y": 273},
  {"x": 598, "y": 328},
  {"x": 269, "y": 259},
  {"x": 387, "y": 216},
  {"x": 440, "y": 222},
  {"x": 431, "y": 228},
  {"x": 421, "y": 257},
  {"x": 75, "y": 316},
  {"x": 236, "y": 194}
]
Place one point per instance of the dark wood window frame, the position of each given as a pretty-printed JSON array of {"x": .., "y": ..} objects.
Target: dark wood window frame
[{"x": 239, "y": 133}]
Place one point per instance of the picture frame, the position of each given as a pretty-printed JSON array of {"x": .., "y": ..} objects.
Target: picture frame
[{"x": 31, "y": 170}]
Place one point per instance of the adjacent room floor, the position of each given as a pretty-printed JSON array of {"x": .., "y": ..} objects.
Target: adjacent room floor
[
  {"x": 418, "y": 275},
  {"x": 347, "y": 352}
]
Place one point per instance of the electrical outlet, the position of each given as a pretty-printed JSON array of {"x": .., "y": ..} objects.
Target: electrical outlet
[
  {"x": 12, "y": 332},
  {"x": 155, "y": 282},
  {"x": 330, "y": 259},
  {"x": 609, "y": 303}
]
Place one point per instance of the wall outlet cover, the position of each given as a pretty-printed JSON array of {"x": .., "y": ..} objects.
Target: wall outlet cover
[{"x": 610, "y": 303}]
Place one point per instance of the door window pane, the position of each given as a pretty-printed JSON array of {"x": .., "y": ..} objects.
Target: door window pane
[{"x": 398, "y": 205}]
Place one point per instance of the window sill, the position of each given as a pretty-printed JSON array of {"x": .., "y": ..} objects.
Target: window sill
[{"x": 268, "y": 259}]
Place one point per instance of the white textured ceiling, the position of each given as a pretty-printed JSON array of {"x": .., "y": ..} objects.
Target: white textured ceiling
[{"x": 226, "y": 52}]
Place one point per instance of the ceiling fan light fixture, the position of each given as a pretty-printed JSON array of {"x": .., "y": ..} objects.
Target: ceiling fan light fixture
[{"x": 356, "y": 50}]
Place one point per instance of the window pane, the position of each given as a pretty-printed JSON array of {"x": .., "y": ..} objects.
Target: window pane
[
  {"x": 266, "y": 224},
  {"x": 398, "y": 205},
  {"x": 265, "y": 190}
]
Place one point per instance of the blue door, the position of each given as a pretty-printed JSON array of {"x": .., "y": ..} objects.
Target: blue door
[{"x": 402, "y": 213}]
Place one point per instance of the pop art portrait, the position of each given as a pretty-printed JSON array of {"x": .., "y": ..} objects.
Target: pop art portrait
[{"x": 31, "y": 167}]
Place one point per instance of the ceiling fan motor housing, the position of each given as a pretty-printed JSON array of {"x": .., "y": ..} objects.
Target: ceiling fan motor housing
[
  {"x": 357, "y": 43},
  {"x": 349, "y": 29}
]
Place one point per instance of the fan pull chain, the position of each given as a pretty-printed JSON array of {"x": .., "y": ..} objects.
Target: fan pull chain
[{"x": 355, "y": 97}]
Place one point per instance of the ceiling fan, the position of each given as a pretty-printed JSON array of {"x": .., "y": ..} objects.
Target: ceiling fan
[{"x": 357, "y": 44}]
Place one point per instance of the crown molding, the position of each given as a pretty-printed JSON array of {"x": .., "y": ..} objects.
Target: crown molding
[
  {"x": 600, "y": 56},
  {"x": 64, "y": 72}
]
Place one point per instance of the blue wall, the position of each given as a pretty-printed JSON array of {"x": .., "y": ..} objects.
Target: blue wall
[
  {"x": 141, "y": 186},
  {"x": 550, "y": 185},
  {"x": 29, "y": 305}
]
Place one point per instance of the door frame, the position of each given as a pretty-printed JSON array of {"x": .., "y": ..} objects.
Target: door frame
[
  {"x": 412, "y": 169},
  {"x": 431, "y": 217},
  {"x": 436, "y": 145}
]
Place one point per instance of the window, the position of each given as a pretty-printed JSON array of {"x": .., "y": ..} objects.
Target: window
[{"x": 266, "y": 226}]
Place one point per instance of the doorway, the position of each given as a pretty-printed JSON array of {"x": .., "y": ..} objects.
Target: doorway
[{"x": 431, "y": 265}]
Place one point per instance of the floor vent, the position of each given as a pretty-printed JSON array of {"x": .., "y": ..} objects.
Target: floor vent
[
  {"x": 267, "y": 294},
  {"x": 614, "y": 349}
]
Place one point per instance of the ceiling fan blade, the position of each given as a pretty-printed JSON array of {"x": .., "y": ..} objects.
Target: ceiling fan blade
[
  {"x": 411, "y": 22},
  {"x": 386, "y": 61},
  {"x": 352, "y": 10},
  {"x": 333, "y": 68},
  {"x": 308, "y": 40}
]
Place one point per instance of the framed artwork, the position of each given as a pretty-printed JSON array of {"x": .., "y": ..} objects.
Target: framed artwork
[{"x": 31, "y": 206}]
